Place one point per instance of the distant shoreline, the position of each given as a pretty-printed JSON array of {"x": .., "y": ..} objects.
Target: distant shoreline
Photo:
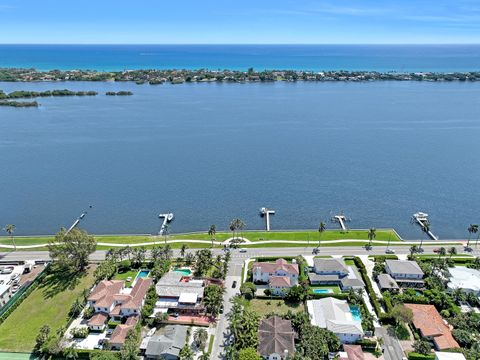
[{"x": 157, "y": 77}]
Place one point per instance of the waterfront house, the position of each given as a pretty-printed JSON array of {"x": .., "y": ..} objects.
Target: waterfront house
[
  {"x": 406, "y": 273},
  {"x": 168, "y": 344},
  {"x": 464, "y": 278},
  {"x": 335, "y": 315},
  {"x": 276, "y": 338},
  {"x": 334, "y": 272},
  {"x": 120, "y": 332},
  {"x": 280, "y": 275},
  {"x": 428, "y": 321},
  {"x": 386, "y": 282}
]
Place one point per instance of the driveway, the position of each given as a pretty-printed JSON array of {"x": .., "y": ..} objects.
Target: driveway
[{"x": 393, "y": 349}]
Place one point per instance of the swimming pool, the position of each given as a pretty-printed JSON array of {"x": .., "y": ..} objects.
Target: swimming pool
[
  {"x": 143, "y": 273},
  {"x": 356, "y": 314},
  {"x": 322, "y": 291},
  {"x": 184, "y": 272}
]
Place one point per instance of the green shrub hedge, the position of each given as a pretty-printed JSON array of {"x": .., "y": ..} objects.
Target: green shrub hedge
[{"x": 417, "y": 356}]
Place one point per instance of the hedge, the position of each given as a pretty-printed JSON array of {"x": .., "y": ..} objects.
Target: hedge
[
  {"x": 367, "y": 344},
  {"x": 368, "y": 284},
  {"x": 417, "y": 356}
]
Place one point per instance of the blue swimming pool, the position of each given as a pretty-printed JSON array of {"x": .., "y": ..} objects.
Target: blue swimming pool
[
  {"x": 356, "y": 314},
  {"x": 322, "y": 291},
  {"x": 143, "y": 273}
]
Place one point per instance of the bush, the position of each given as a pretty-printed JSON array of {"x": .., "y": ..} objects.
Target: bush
[
  {"x": 80, "y": 333},
  {"x": 417, "y": 356},
  {"x": 248, "y": 290},
  {"x": 367, "y": 344},
  {"x": 368, "y": 285}
]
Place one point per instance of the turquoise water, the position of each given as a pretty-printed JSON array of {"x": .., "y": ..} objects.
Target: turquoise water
[
  {"x": 306, "y": 150},
  {"x": 322, "y": 291},
  {"x": 356, "y": 314},
  {"x": 143, "y": 274},
  {"x": 184, "y": 272},
  {"x": 240, "y": 57}
]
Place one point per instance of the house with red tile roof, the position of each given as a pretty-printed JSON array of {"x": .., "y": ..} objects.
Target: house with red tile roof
[
  {"x": 429, "y": 322},
  {"x": 280, "y": 275},
  {"x": 120, "y": 333},
  {"x": 351, "y": 352}
]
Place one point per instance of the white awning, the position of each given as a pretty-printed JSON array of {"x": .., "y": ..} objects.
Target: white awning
[{"x": 187, "y": 298}]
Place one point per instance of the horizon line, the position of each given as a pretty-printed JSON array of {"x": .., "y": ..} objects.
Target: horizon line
[{"x": 255, "y": 44}]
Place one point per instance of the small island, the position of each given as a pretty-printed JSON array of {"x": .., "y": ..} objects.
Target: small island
[
  {"x": 48, "y": 93},
  {"x": 14, "y": 103},
  {"x": 119, "y": 93}
]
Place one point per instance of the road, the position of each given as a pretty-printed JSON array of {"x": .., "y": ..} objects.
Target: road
[
  {"x": 393, "y": 349},
  {"x": 253, "y": 252}
]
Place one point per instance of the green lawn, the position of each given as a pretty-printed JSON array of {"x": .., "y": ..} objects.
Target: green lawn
[
  {"x": 125, "y": 275},
  {"x": 279, "y": 307},
  {"x": 48, "y": 304}
]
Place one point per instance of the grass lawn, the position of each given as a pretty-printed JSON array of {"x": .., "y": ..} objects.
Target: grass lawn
[
  {"x": 335, "y": 289},
  {"x": 278, "y": 306},
  {"x": 210, "y": 344},
  {"x": 48, "y": 304},
  {"x": 125, "y": 275},
  {"x": 349, "y": 262}
]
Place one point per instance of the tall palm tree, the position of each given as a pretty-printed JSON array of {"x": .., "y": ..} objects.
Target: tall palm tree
[
  {"x": 232, "y": 228},
  {"x": 183, "y": 249},
  {"x": 212, "y": 231},
  {"x": 372, "y": 234},
  {"x": 442, "y": 252},
  {"x": 10, "y": 229},
  {"x": 452, "y": 251},
  {"x": 473, "y": 228},
  {"x": 413, "y": 250},
  {"x": 321, "y": 228}
]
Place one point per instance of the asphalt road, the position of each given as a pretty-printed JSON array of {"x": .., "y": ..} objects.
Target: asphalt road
[
  {"x": 253, "y": 252},
  {"x": 393, "y": 349}
]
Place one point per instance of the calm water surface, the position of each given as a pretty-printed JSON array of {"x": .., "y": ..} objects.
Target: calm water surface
[{"x": 210, "y": 152}]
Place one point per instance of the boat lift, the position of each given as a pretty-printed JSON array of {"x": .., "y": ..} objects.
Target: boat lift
[
  {"x": 265, "y": 212},
  {"x": 166, "y": 219},
  {"x": 421, "y": 219}
]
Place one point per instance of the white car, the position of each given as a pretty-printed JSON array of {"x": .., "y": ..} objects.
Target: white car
[{"x": 390, "y": 251}]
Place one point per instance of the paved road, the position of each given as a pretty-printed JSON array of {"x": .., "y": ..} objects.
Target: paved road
[
  {"x": 393, "y": 349},
  {"x": 252, "y": 252}
]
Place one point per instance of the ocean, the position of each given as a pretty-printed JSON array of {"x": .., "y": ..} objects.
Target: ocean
[
  {"x": 210, "y": 152},
  {"x": 399, "y": 58}
]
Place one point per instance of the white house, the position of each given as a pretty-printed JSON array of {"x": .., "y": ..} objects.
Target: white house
[
  {"x": 464, "y": 278},
  {"x": 263, "y": 272},
  {"x": 448, "y": 356},
  {"x": 335, "y": 315}
]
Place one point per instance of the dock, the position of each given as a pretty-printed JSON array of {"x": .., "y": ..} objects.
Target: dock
[
  {"x": 265, "y": 212},
  {"x": 341, "y": 219},
  {"x": 77, "y": 221},
  {"x": 166, "y": 219},
  {"x": 421, "y": 219}
]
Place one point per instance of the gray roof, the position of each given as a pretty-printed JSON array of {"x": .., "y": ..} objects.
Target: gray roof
[
  {"x": 169, "y": 343},
  {"x": 170, "y": 286},
  {"x": 275, "y": 336},
  {"x": 170, "y": 277},
  {"x": 319, "y": 278},
  {"x": 329, "y": 265},
  {"x": 354, "y": 283},
  {"x": 403, "y": 267},
  {"x": 385, "y": 281}
]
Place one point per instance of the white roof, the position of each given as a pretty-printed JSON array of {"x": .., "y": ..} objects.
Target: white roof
[
  {"x": 334, "y": 315},
  {"x": 448, "y": 356},
  {"x": 4, "y": 288},
  {"x": 187, "y": 298},
  {"x": 464, "y": 278}
]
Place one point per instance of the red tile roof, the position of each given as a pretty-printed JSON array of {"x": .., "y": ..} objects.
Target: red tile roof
[
  {"x": 98, "y": 319},
  {"x": 279, "y": 264},
  {"x": 280, "y": 281},
  {"x": 427, "y": 319},
  {"x": 120, "y": 333},
  {"x": 104, "y": 292},
  {"x": 138, "y": 293},
  {"x": 354, "y": 352}
]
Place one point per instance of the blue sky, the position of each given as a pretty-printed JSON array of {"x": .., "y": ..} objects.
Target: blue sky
[{"x": 241, "y": 21}]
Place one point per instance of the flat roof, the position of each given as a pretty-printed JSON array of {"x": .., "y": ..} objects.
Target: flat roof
[
  {"x": 464, "y": 278},
  {"x": 188, "y": 298}
]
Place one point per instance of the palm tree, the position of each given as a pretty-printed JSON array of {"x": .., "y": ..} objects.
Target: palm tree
[
  {"x": 200, "y": 336},
  {"x": 372, "y": 234},
  {"x": 472, "y": 229},
  {"x": 183, "y": 249},
  {"x": 442, "y": 252},
  {"x": 321, "y": 228},
  {"x": 71, "y": 352},
  {"x": 232, "y": 228},
  {"x": 413, "y": 250},
  {"x": 452, "y": 251},
  {"x": 165, "y": 233},
  {"x": 212, "y": 232},
  {"x": 240, "y": 225},
  {"x": 167, "y": 252},
  {"x": 10, "y": 229}
]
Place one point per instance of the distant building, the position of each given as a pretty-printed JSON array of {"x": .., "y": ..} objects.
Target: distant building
[
  {"x": 276, "y": 338},
  {"x": 280, "y": 275},
  {"x": 428, "y": 321},
  {"x": 335, "y": 315},
  {"x": 406, "y": 273},
  {"x": 334, "y": 272},
  {"x": 168, "y": 345}
]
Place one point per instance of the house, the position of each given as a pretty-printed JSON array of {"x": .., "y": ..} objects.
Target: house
[
  {"x": 351, "y": 352},
  {"x": 406, "y": 273},
  {"x": 120, "y": 332},
  {"x": 276, "y": 338},
  {"x": 262, "y": 271},
  {"x": 448, "y": 356},
  {"x": 280, "y": 275},
  {"x": 334, "y": 272},
  {"x": 167, "y": 346},
  {"x": 428, "y": 321},
  {"x": 335, "y": 315},
  {"x": 386, "y": 282},
  {"x": 179, "y": 293},
  {"x": 110, "y": 299},
  {"x": 464, "y": 278}
]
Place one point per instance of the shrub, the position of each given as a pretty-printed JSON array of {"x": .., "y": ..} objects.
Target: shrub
[{"x": 80, "y": 333}]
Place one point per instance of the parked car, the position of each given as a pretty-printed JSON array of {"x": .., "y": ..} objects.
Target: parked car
[
  {"x": 390, "y": 251},
  {"x": 436, "y": 250},
  {"x": 234, "y": 284},
  {"x": 315, "y": 251},
  {"x": 221, "y": 309},
  {"x": 243, "y": 250}
]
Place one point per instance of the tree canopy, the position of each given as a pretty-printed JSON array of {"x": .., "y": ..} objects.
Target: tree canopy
[{"x": 70, "y": 251}]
